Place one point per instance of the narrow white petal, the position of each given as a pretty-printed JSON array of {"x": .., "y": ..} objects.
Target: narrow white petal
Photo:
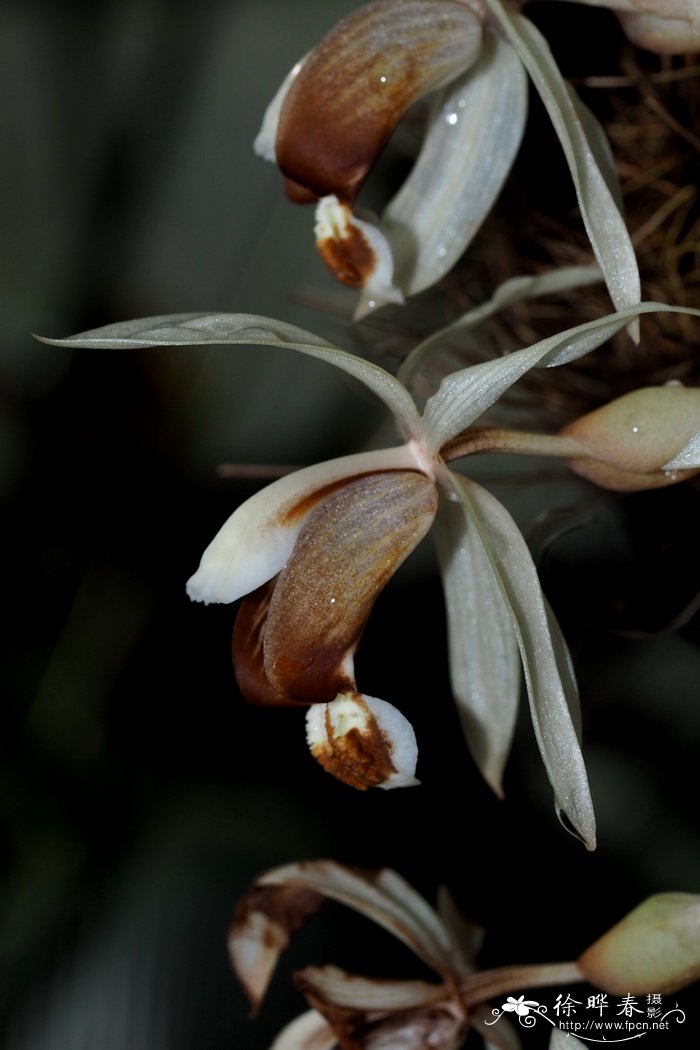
[
  {"x": 472, "y": 138},
  {"x": 252, "y": 330},
  {"x": 589, "y": 168},
  {"x": 483, "y": 652},
  {"x": 254, "y": 544},
  {"x": 264, "y": 144},
  {"x": 550, "y": 700},
  {"x": 465, "y": 395}
]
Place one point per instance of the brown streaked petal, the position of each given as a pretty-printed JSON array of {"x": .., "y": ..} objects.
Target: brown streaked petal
[
  {"x": 349, "y": 547},
  {"x": 247, "y": 651},
  {"x": 363, "y": 742},
  {"x": 263, "y": 925},
  {"x": 354, "y": 87}
]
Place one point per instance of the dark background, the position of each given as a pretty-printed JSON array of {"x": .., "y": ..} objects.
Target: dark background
[{"x": 138, "y": 794}]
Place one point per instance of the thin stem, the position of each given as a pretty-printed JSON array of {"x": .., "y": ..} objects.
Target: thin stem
[
  {"x": 491, "y": 983},
  {"x": 501, "y": 439}
]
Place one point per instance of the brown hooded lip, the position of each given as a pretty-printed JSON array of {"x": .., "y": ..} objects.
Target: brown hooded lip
[
  {"x": 295, "y": 636},
  {"x": 358, "y": 82}
]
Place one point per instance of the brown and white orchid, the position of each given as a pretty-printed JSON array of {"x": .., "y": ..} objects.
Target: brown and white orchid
[
  {"x": 654, "y": 948},
  {"x": 310, "y": 553},
  {"x": 338, "y": 107}
]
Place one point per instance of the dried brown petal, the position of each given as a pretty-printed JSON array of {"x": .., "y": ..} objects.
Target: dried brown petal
[
  {"x": 358, "y": 82},
  {"x": 349, "y": 547},
  {"x": 263, "y": 925}
]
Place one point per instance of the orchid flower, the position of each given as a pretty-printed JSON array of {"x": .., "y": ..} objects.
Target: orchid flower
[
  {"x": 668, "y": 27},
  {"x": 310, "y": 553},
  {"x": 338, "y": 107},
  {"x": 654, "y": 948}
]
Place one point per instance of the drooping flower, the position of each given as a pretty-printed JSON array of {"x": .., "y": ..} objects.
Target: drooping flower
[
  {"x": 654, "y": 949},
  {"x": 336, "y": 110},
  {"x": 312, "y": 551}
]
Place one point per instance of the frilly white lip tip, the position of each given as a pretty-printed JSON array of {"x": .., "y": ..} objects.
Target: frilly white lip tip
[{"x": 369, "y": 717}]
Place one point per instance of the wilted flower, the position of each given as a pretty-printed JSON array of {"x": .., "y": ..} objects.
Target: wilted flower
[
  {"x": 313, "y": 550},
  {"x": 656, "y": 948},
  {"x": 338, "y": 107}
]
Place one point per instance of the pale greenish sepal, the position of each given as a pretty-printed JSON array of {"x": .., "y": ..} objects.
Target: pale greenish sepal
[
  {"x": 483, "y": 653},
  {"x": 251, "y": 330},
  {"x": 604, "y": 223},
  {"x": 554, "y": 727},
  {"x": 465, "y": 395},
  {"x": 514, "y": 290}
]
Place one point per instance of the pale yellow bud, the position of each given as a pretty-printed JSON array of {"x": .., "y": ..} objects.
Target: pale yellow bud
[
  {"x": 646, "y": 439},
  {"x": 654, "y": 949}
]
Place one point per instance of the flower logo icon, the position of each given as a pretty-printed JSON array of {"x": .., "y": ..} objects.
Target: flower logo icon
[{"x": 520, "y": 1006}]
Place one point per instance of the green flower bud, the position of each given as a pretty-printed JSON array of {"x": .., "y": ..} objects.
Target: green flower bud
[
  {"x": 644, "y": 440},
  {"x": 656, "y": 948}
]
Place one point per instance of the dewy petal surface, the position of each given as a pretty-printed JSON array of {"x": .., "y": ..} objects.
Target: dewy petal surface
[
  {"x": 256, "y": 541},
  {"x": 350, "y": 545},
  {"x": 358, "y": 82}
]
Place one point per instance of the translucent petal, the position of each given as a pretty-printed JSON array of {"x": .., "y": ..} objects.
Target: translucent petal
[
  {"x": 256, "y": 541},
  {"x": 483, "y": 652},
  {"x": 555, "y": 730},
  {"x": 251, "y": 330},
  {"x": 383, "y": 896},
  {"x": 465, "y": 395},
  {"x": 472, "y": 138},
  {"x": 604, "y": 224}
]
